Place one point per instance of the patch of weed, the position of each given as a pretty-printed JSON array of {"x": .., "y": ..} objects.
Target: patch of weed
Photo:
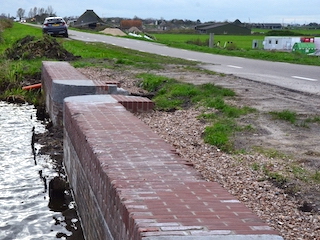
[
  {"x": 270, "y": 153},
  {"x": 316, "y": 177},
  {"x": 315, "y": 119},
  {"x": 151, "y": 82},
  {"x": 299, "y": 172},
  {"x": 276, "y": 177},
  {"x": 255, "y": 166},
  {"x": 286, "y": 115},
  {"x": 219, "y": 134},
  {"x": 208, "y": 116},
  {"x": 171, "y": 95}
]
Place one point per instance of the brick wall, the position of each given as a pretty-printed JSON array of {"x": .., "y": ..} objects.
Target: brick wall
[{"x": 130, "y": 185}]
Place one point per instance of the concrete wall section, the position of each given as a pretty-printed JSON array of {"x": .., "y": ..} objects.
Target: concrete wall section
[{"x": 131, "y": 185}]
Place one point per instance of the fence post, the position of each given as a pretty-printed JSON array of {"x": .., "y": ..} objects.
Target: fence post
[{"x": 211, "y": 40}]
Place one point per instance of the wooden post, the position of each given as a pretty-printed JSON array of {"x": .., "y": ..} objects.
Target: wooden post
[{"x": 211, "y": 40}]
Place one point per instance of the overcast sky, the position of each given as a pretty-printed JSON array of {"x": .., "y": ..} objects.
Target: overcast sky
[{"x": 267, "y": 11}]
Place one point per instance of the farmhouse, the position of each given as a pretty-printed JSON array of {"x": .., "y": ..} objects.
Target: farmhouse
[
  {"x": 88, "y": 19},
  {"x": 235, "y": 28}
]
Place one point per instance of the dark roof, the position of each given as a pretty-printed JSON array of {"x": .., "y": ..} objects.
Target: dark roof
[
  {"x": 210, "y": 26},
  {"x": 88, "y": 17},
  {"x": 223, "y": 28}
]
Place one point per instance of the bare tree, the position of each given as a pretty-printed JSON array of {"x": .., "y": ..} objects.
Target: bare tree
[
  {"x": 41, "y": 11},
  {"x": 30, "y": 14},
  {"x": 20, "y": 13},
  {"x": 35, "y": 11},
  {"x": 50, "y": 11}
]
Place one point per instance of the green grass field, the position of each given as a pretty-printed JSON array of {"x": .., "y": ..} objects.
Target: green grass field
[{"x": 244, "y": 42}]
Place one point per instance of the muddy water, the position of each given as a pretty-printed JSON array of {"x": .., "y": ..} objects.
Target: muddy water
[{"x": 24, "y": 176}]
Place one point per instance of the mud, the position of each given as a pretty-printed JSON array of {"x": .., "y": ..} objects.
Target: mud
[{"x": 31, "y": 48}]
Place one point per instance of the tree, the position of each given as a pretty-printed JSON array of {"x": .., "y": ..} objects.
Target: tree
[
  {"x": 35, "y": 11},
  {"x": 30, "y": 14},
  {"x": 20, "y": 13},
  {"x": 41, "y": 11},
  {"x": 50, "y": 11}
]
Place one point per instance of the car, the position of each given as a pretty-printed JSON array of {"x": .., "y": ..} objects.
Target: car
[{"x": 55, "y": 26}]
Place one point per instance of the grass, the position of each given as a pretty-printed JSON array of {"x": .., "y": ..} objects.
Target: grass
[
  {"x": 242, "y": 42},
  {"x": 241, "y": 47},
  {"x": 271, "y": 153},
  {"x": 95, "y": 54},
  {"x": 285, "y": 115},
  {"x": 292, "y": 117}
]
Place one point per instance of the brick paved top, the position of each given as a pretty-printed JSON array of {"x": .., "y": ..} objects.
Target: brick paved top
[{"x": 163, "y": 197}]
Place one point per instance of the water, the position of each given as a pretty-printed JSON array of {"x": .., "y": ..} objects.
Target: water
[{"x": 24, "y": 199}]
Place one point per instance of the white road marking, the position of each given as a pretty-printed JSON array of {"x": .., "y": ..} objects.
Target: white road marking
[
  {"x": 232, "y": 66},
  {"x": 304, "y": 78}
]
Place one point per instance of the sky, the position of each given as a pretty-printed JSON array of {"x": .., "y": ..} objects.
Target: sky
[{"x": 249, "y": 11}]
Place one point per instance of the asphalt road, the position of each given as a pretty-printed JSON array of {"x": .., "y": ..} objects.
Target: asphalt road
[{"x": 292, "y": 76}]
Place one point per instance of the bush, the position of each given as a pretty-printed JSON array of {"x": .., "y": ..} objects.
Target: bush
[
  {"x": 5, "y": 23},
  {"x": 282, "y": 33}
]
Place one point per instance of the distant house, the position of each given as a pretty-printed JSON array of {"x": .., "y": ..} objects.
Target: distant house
[
  {"x": 272, "y": 26},
  {"x": 235, "y": 28},
  {"x": 88, "y": 19}
]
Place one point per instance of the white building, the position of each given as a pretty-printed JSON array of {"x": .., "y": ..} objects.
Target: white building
[
  {"x": 280, "y": 43},
  {"x": 286, "y": 43},
  {"x": 317, "y": 42}
]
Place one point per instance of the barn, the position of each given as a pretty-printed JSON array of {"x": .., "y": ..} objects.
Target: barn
[
  {"x": 88, "y": 19},
  {"x": 235, "y": 28}
]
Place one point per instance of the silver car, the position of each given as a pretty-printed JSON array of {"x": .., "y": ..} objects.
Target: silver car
[{"x": 55, "y": 26}]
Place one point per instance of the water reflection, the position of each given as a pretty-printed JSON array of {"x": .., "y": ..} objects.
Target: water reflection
[{"x": 24, "y": 199}]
